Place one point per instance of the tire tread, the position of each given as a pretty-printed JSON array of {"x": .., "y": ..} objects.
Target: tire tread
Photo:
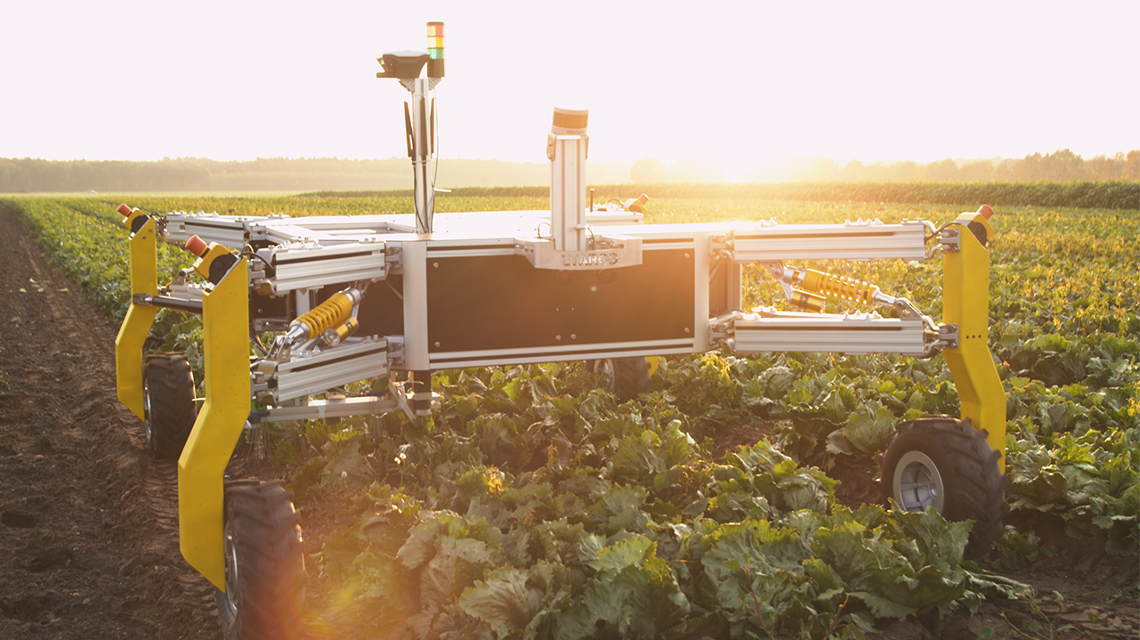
[
  {"x": 975, "y": 486},
  {"x": 172, "y": 408},
  {"x": 270, "y": 548}
]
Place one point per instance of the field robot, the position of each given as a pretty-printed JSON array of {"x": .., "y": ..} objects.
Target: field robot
[{"x": 395, "y": 297}]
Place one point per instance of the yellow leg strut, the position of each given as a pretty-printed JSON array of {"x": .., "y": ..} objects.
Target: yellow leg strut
[
  {"x": 225, "y": 342},
  {"x": 965, "y": 290},
  {"x": 136, "y": 326}
]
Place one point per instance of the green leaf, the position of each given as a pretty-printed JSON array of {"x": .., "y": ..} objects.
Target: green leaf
[
  {"x": 883, "y": 607},
  {"x": 621, "y": 509},
  {"x": 420, "y": 545},
  {"x": 345, "y": 458},
  {"x": 631, "y": 552},
  {"x": 641, "y": 452},
  {"x": 865, "y": 433},
  {"x": 455, "y": 566},
  {"x": 838, "y": 404},
  {"x": 590, "y": 546},
  {"x": 502, "y": 600}
]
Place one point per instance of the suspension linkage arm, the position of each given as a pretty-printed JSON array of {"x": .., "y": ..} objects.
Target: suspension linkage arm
[
  {"x": 806, "y": 289},
  {"x": 167, "y": 302}
]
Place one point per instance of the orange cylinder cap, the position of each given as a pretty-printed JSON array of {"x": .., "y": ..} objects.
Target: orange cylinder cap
[
  {"x": 196, "y": 245},
  {"x": 124, "y": 209},
  {"x": 986, "y": 210}
]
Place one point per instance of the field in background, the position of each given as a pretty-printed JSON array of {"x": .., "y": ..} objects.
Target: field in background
[
  {"x": 19, "y": 175},
  {"x": 532, "y": 501}
]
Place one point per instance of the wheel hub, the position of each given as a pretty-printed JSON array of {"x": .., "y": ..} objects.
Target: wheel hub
[
  {"x": 232, "y": 594},
  {"x": 147, "y": 417},
  {"x": 917, "y": 483}
]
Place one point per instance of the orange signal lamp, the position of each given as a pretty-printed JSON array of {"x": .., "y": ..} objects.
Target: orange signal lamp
[
  {"x": 133, "y": 219},
  {"x": 196, "y": 246},
  {"x": 214, "y": 260}
]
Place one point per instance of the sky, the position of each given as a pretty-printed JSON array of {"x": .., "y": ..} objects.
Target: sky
[{"x": 735, "y": 83}]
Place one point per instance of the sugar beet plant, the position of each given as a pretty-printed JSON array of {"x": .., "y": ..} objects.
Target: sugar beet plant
[{"x": 534, "y": 505}]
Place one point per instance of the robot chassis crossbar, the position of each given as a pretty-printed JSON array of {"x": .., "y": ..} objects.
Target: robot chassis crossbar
[{"x": 396, "y": 297}]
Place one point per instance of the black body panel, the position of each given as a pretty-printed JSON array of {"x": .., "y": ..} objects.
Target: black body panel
[{"x": 478, "y": 303}]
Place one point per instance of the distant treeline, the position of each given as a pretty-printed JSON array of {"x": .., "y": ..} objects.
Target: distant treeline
[
  {"x": 333, "y": 174},
  {"x": 1102, "y": 195},
  {"x": 270, "y": 174},
  {"x": 1059, "y": 166}
]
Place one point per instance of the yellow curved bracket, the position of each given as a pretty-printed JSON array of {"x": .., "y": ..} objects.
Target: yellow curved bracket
[
  {"x": 225, "y": 345},
  {"x": 136, "y": 326},
  {"x": 966, "y": 298}
]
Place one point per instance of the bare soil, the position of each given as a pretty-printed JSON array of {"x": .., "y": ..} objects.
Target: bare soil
[{"x": 88, "y": 521}]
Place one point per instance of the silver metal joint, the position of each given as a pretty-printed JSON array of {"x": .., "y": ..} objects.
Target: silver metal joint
[
  {"x": 951, "y": 240},
  {"x": 948, "y": 335}
]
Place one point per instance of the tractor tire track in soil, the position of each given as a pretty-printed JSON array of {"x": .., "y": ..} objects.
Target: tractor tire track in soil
[{"x": 88, "y": 522}]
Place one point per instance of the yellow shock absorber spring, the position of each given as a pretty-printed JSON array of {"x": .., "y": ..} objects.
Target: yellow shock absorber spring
[
  {"x": 839, "y": 287},
  {"x": 327, "y": 315}
]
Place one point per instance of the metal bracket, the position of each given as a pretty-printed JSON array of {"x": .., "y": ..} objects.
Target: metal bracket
[
  {"x": 907, "y": 310},
  {"x": 395, "y": 351},
  {"x": 948, "y": 335},
  {"x": 721, "y": 328},
  {"x": 607, "y": 252},
  {"x": 951, "y": 240},
  {"x": 721, "y": 246}
]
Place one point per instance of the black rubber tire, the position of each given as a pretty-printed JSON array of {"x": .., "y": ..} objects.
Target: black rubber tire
[
  {"x": 265, "y": 563},
  {"x": 169, "y": 407},
  {"x": 623, "y": 377},
  {"x": 973, "y": 487}
]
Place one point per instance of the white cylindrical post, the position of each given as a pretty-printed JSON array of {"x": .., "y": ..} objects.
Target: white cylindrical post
[
  {"x": 421, "y": 145},
  {"x": 567, "y": 147}
]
